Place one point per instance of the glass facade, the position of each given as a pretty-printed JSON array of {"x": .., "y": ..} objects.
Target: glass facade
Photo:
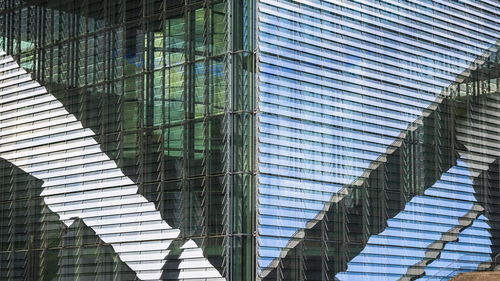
[
  {"x": 249, "y": 140},
  {"x": 121, "y": 115},
  {"x": 377, "y": 127}
]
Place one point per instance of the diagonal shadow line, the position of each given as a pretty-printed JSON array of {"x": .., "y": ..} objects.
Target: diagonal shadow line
[
  {"x": 66, "y": 242},
  {"x": 345, "y": 192},
  {"x": 434, "y": 249}
]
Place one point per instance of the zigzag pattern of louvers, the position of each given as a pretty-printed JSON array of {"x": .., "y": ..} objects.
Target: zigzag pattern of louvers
[{"x": 42, "y": 138}]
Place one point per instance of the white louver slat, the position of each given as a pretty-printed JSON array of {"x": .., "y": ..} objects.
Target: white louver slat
[{"x": 101, "y": 195}]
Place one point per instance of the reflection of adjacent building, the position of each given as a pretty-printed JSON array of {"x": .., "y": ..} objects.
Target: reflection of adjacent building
[
  {"x": 40, "y": 247},
  {"x": 149, "y": 80},
  {"x": 279, "y": 140},
  {"x": 82, "y": 185},
  {"x": 428, "y": 208},
  {"x": 350, "y": 134}
]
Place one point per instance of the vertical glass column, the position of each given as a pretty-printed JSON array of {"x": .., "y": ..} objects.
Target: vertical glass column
[{"x": 241, "y": 145}]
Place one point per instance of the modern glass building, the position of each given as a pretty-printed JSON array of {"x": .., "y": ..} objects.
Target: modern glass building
[{"x": 271, "y": 140}]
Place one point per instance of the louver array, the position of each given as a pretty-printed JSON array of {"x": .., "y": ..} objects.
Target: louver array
[
  {"x": 81, "y": 182},
  {"x": 377, "y": 127},
  {"x": 103, "y": 104},
  {"x": 271, "y": 140}
]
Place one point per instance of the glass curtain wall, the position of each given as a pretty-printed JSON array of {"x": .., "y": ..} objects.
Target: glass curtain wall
[
  {"x": 241, "y": 147},
  {"x": 167, "y": 86},
  {"x": 368, "y": 168}
]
